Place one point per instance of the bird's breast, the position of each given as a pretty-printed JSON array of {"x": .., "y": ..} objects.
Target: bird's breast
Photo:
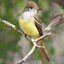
[{"x": 28, "y": 27}]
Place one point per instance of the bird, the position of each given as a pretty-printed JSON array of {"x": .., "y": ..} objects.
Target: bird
[{"x": 31, "y": 25}]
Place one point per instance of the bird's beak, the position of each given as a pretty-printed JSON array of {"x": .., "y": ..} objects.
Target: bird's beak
[{"x": 39, "y": 9}]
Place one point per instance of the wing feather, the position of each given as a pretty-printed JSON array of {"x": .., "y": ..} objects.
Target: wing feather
[{"x": 38, "y": 25}]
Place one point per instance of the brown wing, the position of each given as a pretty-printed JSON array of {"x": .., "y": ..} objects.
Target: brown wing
[{"x": 38, "y": 25}]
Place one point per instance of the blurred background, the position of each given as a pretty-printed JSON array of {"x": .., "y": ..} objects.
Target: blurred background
[{"x": 13, "y": 46}]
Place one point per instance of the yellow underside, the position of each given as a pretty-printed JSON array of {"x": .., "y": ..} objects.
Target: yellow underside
[{"x": 29, "y": 27}]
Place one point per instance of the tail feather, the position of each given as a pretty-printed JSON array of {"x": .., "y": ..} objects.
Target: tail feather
[
  {"x": 43, "y": 50},
  {"x": 44, "y": 53}
]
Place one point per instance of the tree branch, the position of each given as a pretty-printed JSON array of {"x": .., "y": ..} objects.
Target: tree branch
[
  {"x": 31, "y": 51},
  {"x": 54, "y": 22},
  {"x": 60, "y": 2},
  {"x": 10, "y": 25},
  {"x": 59, "y": 19},
  {"x": 34, "y": 47}
]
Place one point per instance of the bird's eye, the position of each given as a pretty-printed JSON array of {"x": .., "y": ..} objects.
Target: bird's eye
[{"x": 31, "y": 7}]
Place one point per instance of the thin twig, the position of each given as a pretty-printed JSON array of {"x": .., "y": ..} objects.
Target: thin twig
[
  {"x": 31, "y": 51},
  {"x": 58, "y": 19},
  {"x": 11, "y": 25},
  {"x": 60, "y": 2},
  {"x": 34, "y": 47},
  {"x": 42, "y": 37}
]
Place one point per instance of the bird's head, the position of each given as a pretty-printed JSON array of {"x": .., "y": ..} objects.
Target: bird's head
[{"x": 31, "y": 5}]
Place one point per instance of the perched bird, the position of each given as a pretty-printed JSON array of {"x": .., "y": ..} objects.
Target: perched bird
[{"x": 31, "y": 25}]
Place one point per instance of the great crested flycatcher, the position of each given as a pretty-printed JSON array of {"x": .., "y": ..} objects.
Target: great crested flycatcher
[{"x": 31, "y": 25}]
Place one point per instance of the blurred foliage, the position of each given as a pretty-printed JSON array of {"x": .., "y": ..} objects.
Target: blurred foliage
[
  {"x": 8, "y": 36},
  {"x": 10, "y": 11}
]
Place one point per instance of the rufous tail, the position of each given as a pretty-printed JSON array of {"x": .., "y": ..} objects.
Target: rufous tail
[{"x": 44, "y": 53}]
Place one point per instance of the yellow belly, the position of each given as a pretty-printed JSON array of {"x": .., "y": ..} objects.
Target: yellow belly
[{"x": 29, "y": 27}]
